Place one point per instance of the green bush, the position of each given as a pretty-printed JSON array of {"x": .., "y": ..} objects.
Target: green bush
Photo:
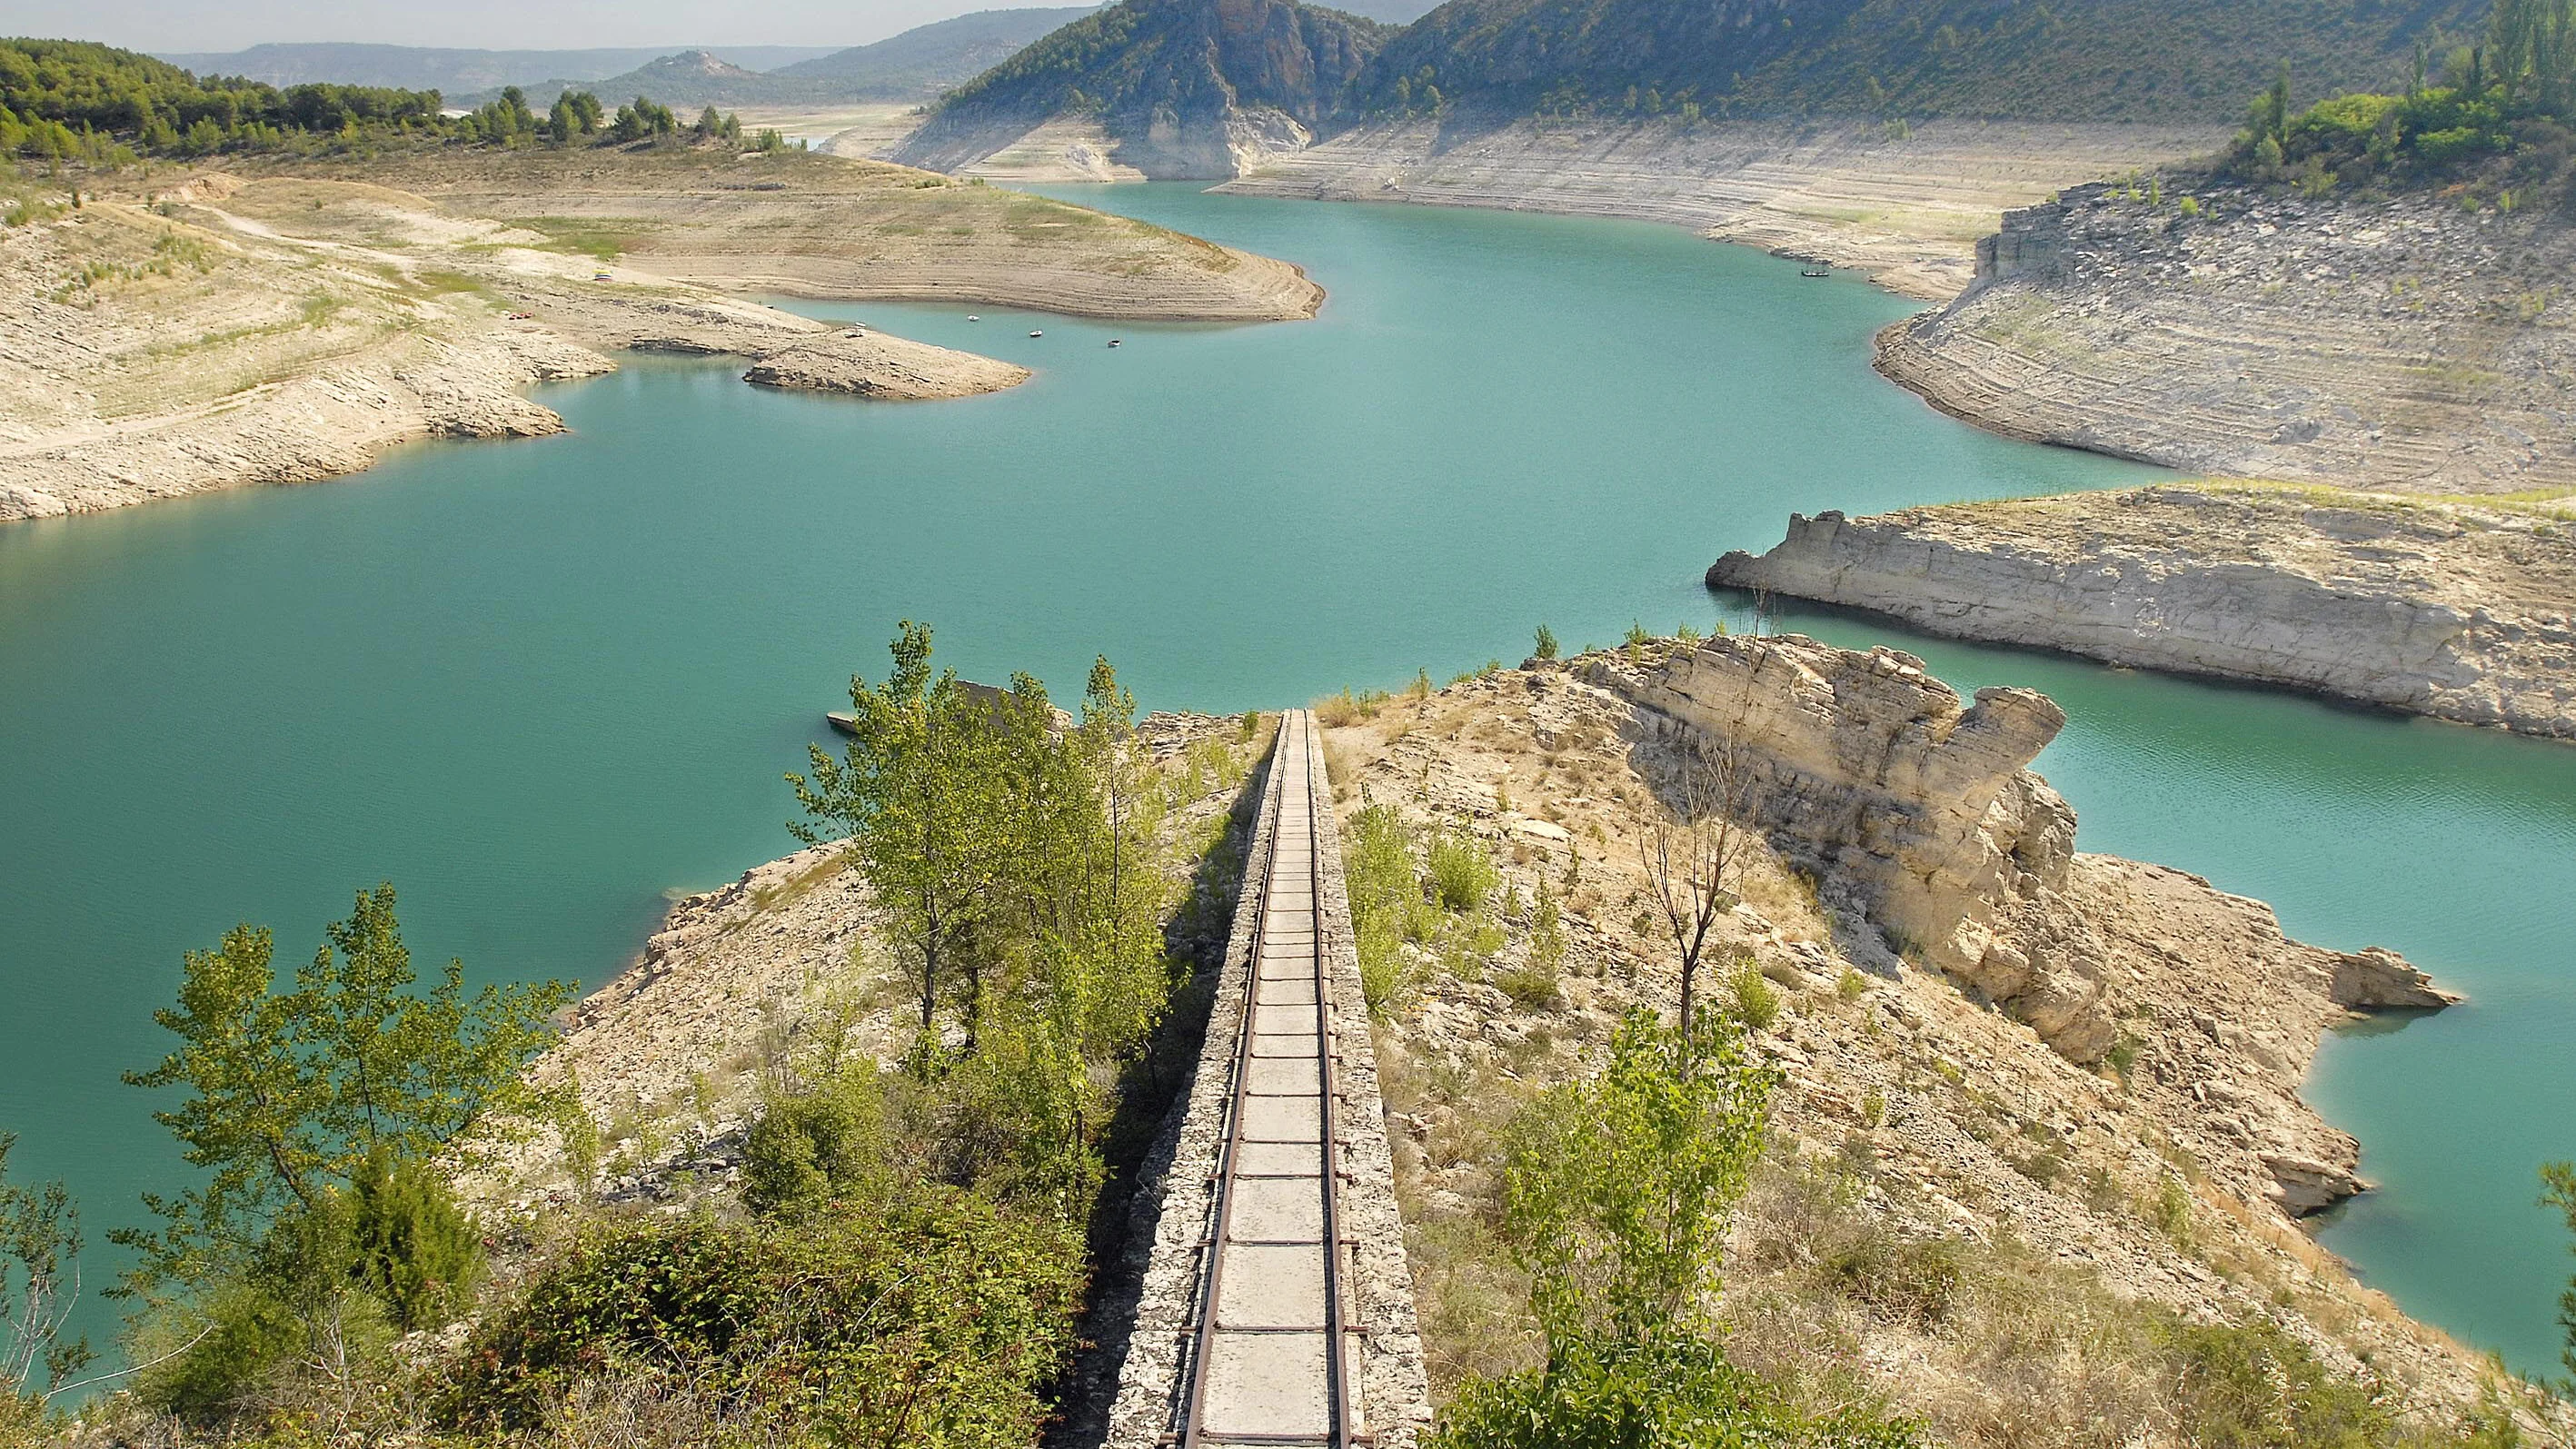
[
  {"x": 2251, "y": 1386},
  {"x": 413, "y": 1249},
  {"x": 935, "y": 1318},
  {"x": 1387, "y": 908},
  {"x": 1757, "y": 1002},
  {"x": 1461, "y": 872},
  {"x": 806, "y": 1150},
  {"x": 1672, "y": 1393}
]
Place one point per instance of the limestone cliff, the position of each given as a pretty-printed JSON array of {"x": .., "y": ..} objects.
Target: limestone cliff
[
  {"x": 2404, "y": 343},
  {"x": 2454, "y": 611}
]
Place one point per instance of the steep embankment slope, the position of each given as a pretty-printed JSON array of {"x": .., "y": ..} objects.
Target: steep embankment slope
[
  {"x": 2452, "y": 610},
  {"x": 1907, "y": 207},
  {"x": 1175, "y": 88},
  {"x": 2403, "y": 343}
]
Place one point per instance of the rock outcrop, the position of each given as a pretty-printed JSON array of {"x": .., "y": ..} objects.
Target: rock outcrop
[
  {"x": 1914, "y": 810},
  {"x": 2404, "y": 343},
  {"x": 1913, "y": 805},
  {"x": 876, "y": 365},
  {"x": 2167, "y": 1174},
  {"x": 2461, "y": 612}
]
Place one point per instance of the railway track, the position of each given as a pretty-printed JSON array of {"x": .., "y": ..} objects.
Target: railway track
[{"x": 1274, "y": 1332}]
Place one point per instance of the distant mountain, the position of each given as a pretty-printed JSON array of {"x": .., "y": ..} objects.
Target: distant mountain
[
  {"x": 1183, "y": 87},
  {"x": 923, "y": 62},
  {"x": 1392, "y": 12},
  {"x": 2128, "y": 60},
  {"x": 457, "y": 72}
]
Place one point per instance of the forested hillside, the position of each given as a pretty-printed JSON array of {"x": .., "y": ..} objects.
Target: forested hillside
[
  {"x": 2126, "y": 60},
  {"x": 1187, "y": 59}
]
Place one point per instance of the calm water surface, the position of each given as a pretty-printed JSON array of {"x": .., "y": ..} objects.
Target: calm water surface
[{"x": 538, "y": 685}]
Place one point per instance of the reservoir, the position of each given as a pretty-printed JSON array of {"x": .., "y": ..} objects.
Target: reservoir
[{"x": 539, "y": 685}]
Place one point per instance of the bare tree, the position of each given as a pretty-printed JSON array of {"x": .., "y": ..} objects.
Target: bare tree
[
  {"x": 1694, "y": 853},
  {"x": 40, "y": 1245}
]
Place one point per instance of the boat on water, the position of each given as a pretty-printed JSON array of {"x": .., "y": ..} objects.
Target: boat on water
[
  {"x": 1113, "y": 341},
  {"x": 1037, "y": 334},
  {"x": 1816, "y": 271},
  {"x": 971, "y": 317}
]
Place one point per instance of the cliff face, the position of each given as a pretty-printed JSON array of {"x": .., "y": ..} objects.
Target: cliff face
[
  {"x": 1186, "y": 89},
  {"x": 2453, "y": 611},
  {"x": 2399, "y": 344}
]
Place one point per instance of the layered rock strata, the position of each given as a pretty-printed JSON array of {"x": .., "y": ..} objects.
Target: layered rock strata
[
  {"x": 878, "y": 365},
  {"x": 1904, "y": 206},
  {"x": 2403, "y": 343},
  {"x": 1915, "y": 810},
  {"x": 2463, "y": 613}
]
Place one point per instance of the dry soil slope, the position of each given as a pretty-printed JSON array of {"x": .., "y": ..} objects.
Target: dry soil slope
[
  {"x": 813, "y": 225},
  {"x": 2407, "y": 344},
  {"x": 1907, "y": 208}
]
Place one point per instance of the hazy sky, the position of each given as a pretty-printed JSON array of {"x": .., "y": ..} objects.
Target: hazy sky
[{"x": 213, "y": 25}]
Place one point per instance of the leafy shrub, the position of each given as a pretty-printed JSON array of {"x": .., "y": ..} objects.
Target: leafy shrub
[
  {"x": 1757, "y": 1002},
  {"x": 2169, "y": 1211},
  {"x": 1672, "y": 1393},
  {"x": 1907, "y": 1278},
  {"x": 1546, "y": 643},
  {"x": 2242, "y": 1386},
  {"x": 1530, "y": 987},
  {"x": 806, "y": 1150},
  {"x": 935, "y": 1318},
  {"x": 1461, "y": 872},
  {"x": 1387, "y": 908}
]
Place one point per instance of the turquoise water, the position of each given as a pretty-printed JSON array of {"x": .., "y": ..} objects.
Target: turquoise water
[{"x": 540, "y": 684}]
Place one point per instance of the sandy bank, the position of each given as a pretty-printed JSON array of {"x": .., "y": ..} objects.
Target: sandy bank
[
  {"x": 2450, "y": 610},
  {"x": 1907, "y": 210}
]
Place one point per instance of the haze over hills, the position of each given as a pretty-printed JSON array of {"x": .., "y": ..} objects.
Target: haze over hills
[
  {"x": 917, "y": 65},
  {"x": 412, "y": 67},
  {"x": 1185, "y": 87}
]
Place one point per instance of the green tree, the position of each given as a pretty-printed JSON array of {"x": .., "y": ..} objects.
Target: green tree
[
  {"x": 1546, "y": 645},
  {"x": 916, "y": 794},
  {"x": 289, "y": 1094},
  {"x": 1617, "y": 1196},
  {"x": 40, "y": 1243}
]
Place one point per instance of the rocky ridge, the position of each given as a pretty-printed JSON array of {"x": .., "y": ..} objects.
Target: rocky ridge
[
  {"x": 2452, "y": 610},
  {"x": 1966, "y": 1123},
  {"x": 1904, "y": 208},
  {"x": 2404, "y": 343}
]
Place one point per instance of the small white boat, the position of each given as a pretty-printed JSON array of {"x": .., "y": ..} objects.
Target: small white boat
[
  {"x": 971, "y": 317},
  {"x": 1113, "y": 341},
  {"x": 1037, "y": 334}
]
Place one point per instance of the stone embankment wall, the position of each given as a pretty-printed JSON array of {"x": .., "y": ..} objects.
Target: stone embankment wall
[
  {"x": 1174, "y": 1190},
  {"x": 2404, "y": 343},
  {"x": 2457, "y": 612}
]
